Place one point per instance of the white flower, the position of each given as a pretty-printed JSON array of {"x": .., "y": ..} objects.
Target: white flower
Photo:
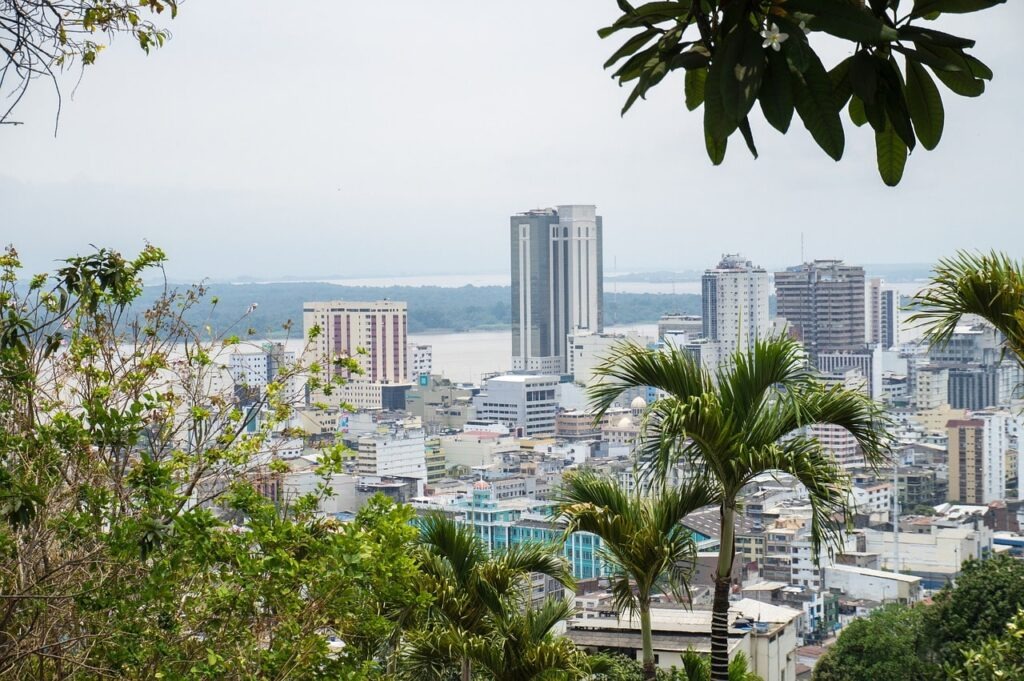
[{"x": 772, "y": 37}]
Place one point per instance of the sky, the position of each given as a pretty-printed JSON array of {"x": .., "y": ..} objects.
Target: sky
[{"x": 333, "y": 138}]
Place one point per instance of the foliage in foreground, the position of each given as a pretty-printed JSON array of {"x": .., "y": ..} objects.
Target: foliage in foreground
[
  {"x": 695, "y": 668},
  {"x": 738, "y": 53},
  {"x": 947, "y": 639}
]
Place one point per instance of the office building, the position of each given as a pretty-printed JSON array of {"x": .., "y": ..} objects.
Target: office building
[
  {"x": 823, "y": 304},
  {"x": 977, "y": 449},
  {"x": 734, "y": 296},
  {"x": 393, "y": 452},
  {"x": 420, "y": 360},
  {"x": 375, "y": 334},
  {"x": 252, "y": 369},
  {"x": 689, "y": 326},
  {"x": 557, "y": 279},
  {"x": 526, "y": 404}
]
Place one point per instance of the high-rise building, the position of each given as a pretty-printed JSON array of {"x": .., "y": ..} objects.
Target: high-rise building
[
  {"x": 375, "y": 334},
  {"x": 882, "y": 315},
  {"x": 823, "y": 304},
  {"x": 735, "y": 303},
  {"x": 977, "y": 458},
  {"x": 557, "y": 280},
  {"x": 524, "y": 403}
]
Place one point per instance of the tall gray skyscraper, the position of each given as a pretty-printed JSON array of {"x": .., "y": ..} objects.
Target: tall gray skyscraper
[
  {"x": 557, "y": 281},
  {"x": 823, "y": 303},
  {"x": 735, "y": 303}
]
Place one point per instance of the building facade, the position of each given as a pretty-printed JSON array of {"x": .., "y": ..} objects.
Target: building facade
[
  {"x": 823, "y": 304},
  {"x": 977, "y": 458},
  {"x": 526, "y": 404},
  {"x": 557, "y": 279},
  {"x": 735, "y": 303}
]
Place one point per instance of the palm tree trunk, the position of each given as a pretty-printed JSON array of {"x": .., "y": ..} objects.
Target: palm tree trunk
[
  {"x": 467, "y": 670},
  {"x": 648, "y": 644},
  {"x": 720, "y": 607}
]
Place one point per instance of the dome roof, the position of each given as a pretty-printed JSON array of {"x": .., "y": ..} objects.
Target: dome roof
[
  {"x": 638, "y": 403},
  {"x": 625, "y": 422},
  {"x": 480, "y": 484}
]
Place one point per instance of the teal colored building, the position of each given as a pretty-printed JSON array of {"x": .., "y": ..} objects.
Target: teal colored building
[{"x": 508, "y": 522}]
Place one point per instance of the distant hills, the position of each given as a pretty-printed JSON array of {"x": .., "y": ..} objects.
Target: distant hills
[{"x": 431, "y": 308}]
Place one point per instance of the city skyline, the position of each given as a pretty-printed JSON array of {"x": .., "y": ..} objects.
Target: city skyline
[{"x": 241, "y": 176}]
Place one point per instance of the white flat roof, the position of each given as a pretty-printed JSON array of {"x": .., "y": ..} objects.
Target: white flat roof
[{"x": 881, "y": 574}]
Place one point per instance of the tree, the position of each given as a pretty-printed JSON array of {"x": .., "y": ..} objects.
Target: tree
[
  {"x": 746, "y": 419},
  {"x": 985, "y": 598},
  {"x": 997, "y": 658},
  {"x": 890, "y": 645},
  {"x": 518, "y": 645},
  {"x": 643, "y": 541},
  {"x": 474, "y": 594},
  {"x": 39, "y": 38},
  {"x": 139, "y": 536},
  {"x": 739, "y": 53},
  {"x": 989, "y": 285},
  {"x": 695, "y": 668}
]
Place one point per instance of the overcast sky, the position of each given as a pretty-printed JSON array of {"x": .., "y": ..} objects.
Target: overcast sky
[{"x": 317, "y": 138}]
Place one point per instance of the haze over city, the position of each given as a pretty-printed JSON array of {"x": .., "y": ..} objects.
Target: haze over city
[{"x": 274, "y": 140}]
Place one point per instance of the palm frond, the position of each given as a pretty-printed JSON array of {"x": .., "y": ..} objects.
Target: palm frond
[
  {"x": 754, "y": 376},
  {"x": 457, "y": 544},
  {"x": 989, "y": 285}
]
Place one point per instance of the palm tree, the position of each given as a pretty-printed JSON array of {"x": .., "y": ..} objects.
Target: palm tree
[
  {"x": 988, "y": 285},
  {"x": 643, "y": 541},
  {"x": 696, "y": 667},
  {"x": 519, "y": 645},
  {"x": 728, "y": 427},
  {"x": 472, "y": 589}
]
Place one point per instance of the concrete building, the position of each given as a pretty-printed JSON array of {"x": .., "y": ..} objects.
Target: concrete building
[
  {"x": 421, "y": 361},
  {"x": 394, "y": 453},
  {"x": 867, "y": 361},
  {"x": 470, "y": 449},
  {"x": 587, "y": 350},
  {"x": 524, "y": 403},
  {"x": 765, "y": 633},
  {"x": 440, "y": 403},
  {"x": 692, "y": 326},
  {"x": 735, "y": 303},
  {"x": 253, "y": 368},
  {"x": 557, "y": 283},
  {"x": 375, "y": 334},
  {"x": 882, "y": 320},
  {"x": 934, "y": 553},
  {"x": 864, "y": 583},
  {"x": 977, "y": 450},
  {"x": 823, "y": 302}
]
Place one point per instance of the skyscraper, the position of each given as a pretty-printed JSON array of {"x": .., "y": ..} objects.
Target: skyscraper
[
  {"x": 823, "y": 303},
  {"x": 882, "y": 321},
  {"x": 735, "y": 303},
  {"x": 557, "y": 280},
  {"x": 378, "y": 328}
]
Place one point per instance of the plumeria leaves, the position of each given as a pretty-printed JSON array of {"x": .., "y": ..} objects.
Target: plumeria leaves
[{"x": 737, "y": 54}]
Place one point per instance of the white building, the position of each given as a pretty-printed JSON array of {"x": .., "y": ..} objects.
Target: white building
[
  {"x": 253, "y": 368},
  {"x": 735, "y": 303},
  {"x": 873, "y": 585},
  {"x": 977, "y": 451},
  {"x": 397, "y": 452},
  {"x": 526, "y": 403},
  {"x": 934, "y": 555},
  {"x": 557, "y": 283},
  {"x": 421, "y": 361},
  {"x": 587, "y": 350},
  {"x": 375, "y": 334}
]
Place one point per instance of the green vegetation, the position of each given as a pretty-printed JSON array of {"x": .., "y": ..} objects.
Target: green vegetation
[
  {"x": 695, "y": 668},
  {"x": 971, "y": 631},
  {"x": 738, "y": 54},
  {"x": 431, "y": 308},
  {"x": 643, "y": 540},
  {"x": 742, "y": 421}
]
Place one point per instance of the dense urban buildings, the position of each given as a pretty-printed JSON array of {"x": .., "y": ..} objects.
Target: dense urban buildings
[{"x": 557, "y": 281}]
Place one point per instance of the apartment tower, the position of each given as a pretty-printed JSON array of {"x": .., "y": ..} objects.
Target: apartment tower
[
  {"x": 735, "y": 303},
  {"x": 823, "y": 304},
  {"x": 375, "y": 334},
  {"x": 977, "y": 458},
  {"x": 557, "y": 279}
]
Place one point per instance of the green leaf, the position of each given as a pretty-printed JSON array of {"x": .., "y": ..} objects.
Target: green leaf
[
  {"x": 693, "y": 87},
  {"x": 925, "y": 105},
  {"x": 717, "y": 122},
  {"x": 742, "y": 65},
  {"x": 644, "y": 15},
  {"x": 892, "y": 87},
  {"x": 977, "y": 68},
  {"x": 691, "y": 59},
  {"x": 891, "y": 153},
  {"x": 961, "y": 83},
  {"x": 776, "y": 96},
  {"x": 925, "y": 7},
  {"x": 715, "y": 148},
  {"x": 856, "y": 111},
  {"x": 796, "y": 48},
  {"x": 748, "y": 136},
  {"x": 814, "y": 102},
  {"x": 632, "y": 45},
  {"x": 842, "y": 19},
  {"x": 864, "y": 75},
  {"x": 928, "y": 36},
  {"x": 842, "y": 87}
]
